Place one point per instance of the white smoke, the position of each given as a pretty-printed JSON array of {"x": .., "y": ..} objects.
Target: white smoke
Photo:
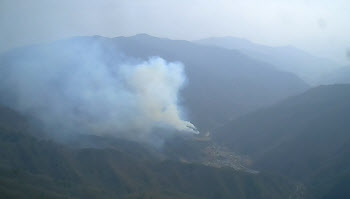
[
  {"x": 155, "y": 85},
  {"x": 83, "y": 88}
]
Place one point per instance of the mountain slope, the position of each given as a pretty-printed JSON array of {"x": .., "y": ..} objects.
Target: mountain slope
[
  {"x": 286, "y": 58},
  {"x": 305, "y": 137},
  {"x": 222, "y": 84},
  {"x": 33, "y": 168},
  {"x": 339, "y": 76}
]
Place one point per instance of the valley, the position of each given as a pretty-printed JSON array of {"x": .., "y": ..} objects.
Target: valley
[{"x": 271, "y": 134}]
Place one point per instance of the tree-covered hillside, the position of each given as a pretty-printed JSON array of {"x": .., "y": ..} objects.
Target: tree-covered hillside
[
  {"x": 305, "y": 137},
  {"x": 36, "y": 168}
]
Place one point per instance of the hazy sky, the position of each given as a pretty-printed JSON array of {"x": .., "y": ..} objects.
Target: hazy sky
[{"x": 321, "y": 27}]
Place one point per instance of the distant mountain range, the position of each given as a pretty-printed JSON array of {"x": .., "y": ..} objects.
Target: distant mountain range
[
  {"x": 294, "y": 141},
  {"x": 222, "y": 84},
  {"x": 305, "y": 137},
  {"x": 310, "y": 68}
]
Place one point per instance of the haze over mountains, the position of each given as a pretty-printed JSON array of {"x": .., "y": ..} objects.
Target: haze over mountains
[
  {"x": 340, "y": 75},
  {"x": 310, "y": 68},
  {"x": 221, "y": 84},
  {"x": 264, "y": 131}
]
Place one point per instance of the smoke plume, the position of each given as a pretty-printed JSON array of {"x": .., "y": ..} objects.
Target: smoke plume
[{"x": 83, "y": 87}]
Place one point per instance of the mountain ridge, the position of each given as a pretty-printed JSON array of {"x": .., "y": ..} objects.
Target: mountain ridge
[
  {"x": 287, "y": 58},
  {"x": 305, "y": 137},
  {"x": 243, "y": 84},
  {"x": 36, "y": 168}
]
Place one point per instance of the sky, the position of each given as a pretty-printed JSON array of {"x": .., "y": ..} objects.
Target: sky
[{"x": 320, "y": 27}]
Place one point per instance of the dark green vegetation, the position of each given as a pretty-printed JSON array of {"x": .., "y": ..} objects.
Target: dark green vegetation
[
  {"x": 33, "y": 168},
  {"x": 306, "y": 137}
]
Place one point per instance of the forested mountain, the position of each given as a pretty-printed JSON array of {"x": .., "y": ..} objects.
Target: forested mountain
[
  {"x": 221, "y": 84},
  {"x": 295, "y": 147},
  {"x": 39, "y": 168},
  {"x": 224, "y": 83},
  {"x": 305, "y": 137},
  {"x": 189, "y": 99}
]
